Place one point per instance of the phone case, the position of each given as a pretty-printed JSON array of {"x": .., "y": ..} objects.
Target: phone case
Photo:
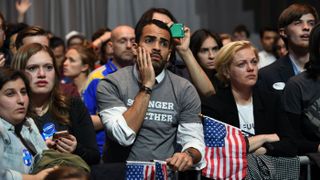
[{"x": 177, "y": 30}]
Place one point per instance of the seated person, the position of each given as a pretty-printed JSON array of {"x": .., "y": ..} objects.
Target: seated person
[
  {"x": 147, "y": 111},
  {"x": 301, "y": 100},
  {"x": 52, "y": 110},
  {"x": 20, "y": 139},
  {"x": 246, "y": 106}
]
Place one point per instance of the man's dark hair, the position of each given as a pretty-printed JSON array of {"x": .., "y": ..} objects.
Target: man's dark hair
[
  {"x": 160, "y": 24},
  {"x": 55, "y": 42},
  {"x": 147, "y": 16},
  {"x": 294, "y": 13},
  {"x": 266, "y": 29},
  {"x": 29, "y": 31},
  {"x": 313, "y": 66},
  {"x": 242, "y": 28}
]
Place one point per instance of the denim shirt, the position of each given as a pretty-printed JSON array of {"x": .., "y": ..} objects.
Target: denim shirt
[{"x": 15, "y": 158}]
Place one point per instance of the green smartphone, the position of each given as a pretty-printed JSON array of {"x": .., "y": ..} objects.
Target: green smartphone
[{"x": 177, "y": 30}]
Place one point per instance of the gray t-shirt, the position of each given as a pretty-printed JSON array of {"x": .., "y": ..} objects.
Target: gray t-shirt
[{"x": 173, "y": 101}]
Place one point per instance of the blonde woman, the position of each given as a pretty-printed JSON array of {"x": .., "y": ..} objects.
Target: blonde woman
[{"x": 242, "y": 103}]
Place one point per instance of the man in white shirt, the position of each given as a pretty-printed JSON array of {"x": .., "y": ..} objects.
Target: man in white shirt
[{"x": 267, "y": 37}]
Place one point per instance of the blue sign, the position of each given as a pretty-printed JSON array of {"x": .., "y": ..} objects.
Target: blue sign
[
  {"x": 27, "y": 157},
  {"x": 48, "y": 130}
]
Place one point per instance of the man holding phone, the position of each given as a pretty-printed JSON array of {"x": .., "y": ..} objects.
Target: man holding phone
[{"x": 147, "y": 111}]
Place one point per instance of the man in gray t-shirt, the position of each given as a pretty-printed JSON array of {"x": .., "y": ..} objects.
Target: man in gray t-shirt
[{"x": 149, "y": 112}]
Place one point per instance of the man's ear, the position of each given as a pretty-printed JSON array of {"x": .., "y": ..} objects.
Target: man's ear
[
  {"x": 168, "y": 58},
  {"x": 283, "y": 33},
  {"x": 109, "y": 43}
]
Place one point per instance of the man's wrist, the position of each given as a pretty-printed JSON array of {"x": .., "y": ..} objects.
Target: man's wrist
[
  {"x": 185, "y": 53},
  {"x": 145, "y": 89},
  {"x": 189, "y": 153}
]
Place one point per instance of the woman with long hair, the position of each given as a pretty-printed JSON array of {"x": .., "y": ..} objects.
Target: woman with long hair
[
  {"x": 52, "y": 110},
  {"x": 205, "y": 46}
]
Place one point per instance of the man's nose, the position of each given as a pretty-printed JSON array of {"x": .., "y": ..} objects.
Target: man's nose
[
  {"x": 156, "y": 46},
  {"x": 129, "y": 44}
]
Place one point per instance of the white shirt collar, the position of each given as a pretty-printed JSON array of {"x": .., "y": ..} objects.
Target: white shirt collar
[{"x": 159, "y": 78}]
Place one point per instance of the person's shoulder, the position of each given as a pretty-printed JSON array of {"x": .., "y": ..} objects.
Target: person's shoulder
[
  {"x": 261, "y": 53},
  {"x": 178, "y": 79},
  {"x": 275, "y": 66},
  {"x": 75, "y": 101},
  {"x": 222, "y": 94},
  {"x": 264, "y": 93},
  {"x": 97, "y": 73},
  {"x": 301, "y": 79},
  {"x": 122, "y": 73}
]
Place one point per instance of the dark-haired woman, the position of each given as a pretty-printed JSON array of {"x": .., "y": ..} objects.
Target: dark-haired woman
[
  {"x": 205, "y": 46},
  {"x": 20, "y": 140}
]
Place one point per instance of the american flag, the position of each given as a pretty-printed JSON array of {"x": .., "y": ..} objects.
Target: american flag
[
  {"x": 139, "y": 170},
  {"x": 225, "y": 150},
  {"x": 161, "y": 170}
]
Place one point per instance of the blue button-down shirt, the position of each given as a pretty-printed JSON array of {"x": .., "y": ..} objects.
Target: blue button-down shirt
[{"x": 15, "y": 158}]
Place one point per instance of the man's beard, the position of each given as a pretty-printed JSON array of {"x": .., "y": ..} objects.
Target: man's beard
[
  {"x": 124, "y": 61},
  {"x": 158, "y": 66}
]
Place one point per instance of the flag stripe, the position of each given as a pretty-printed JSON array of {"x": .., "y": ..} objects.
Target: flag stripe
[
  {"x": 225, "y": 151},
  {"x": 156, "y": 170}
]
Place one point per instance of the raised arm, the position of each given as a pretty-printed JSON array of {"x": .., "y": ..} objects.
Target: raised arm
[
  {"x": 22, "y": 7},
  {"x": 199, "y": 78}
]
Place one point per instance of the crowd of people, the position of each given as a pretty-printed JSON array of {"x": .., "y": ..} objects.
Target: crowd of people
[{"x": 136, "y": 93}]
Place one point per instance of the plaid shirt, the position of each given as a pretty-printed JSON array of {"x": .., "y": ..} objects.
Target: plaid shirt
[{"x": 268, "y": 167}]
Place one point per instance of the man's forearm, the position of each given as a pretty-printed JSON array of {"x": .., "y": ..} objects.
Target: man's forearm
[
  {"x": 134, "y": 116},
  {"x": 97, "y": 124}
]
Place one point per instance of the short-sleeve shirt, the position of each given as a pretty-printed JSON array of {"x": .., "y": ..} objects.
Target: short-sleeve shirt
[{"x": 173, "y": 101}]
